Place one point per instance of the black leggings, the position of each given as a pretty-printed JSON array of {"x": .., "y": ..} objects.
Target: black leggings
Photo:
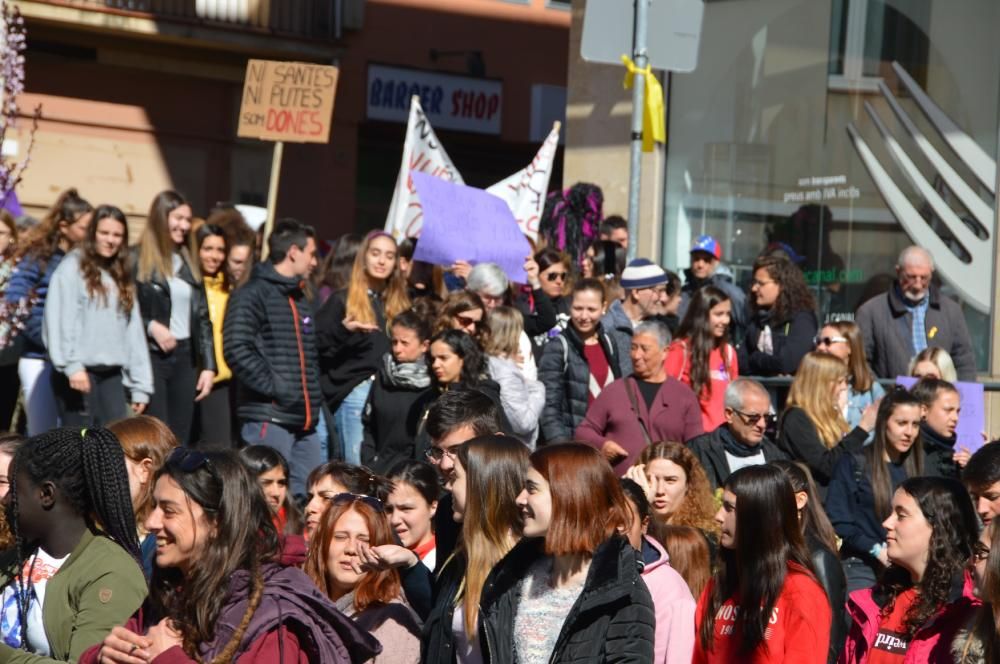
[
  {"x": 174, "y": 378},
  {"x": 104, "y": 404},
  {"x": 214, "y": 429}
]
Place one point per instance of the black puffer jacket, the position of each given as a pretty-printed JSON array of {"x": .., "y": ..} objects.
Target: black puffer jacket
[
  {"x": 830, "y": 574},
  {"x": 269, "y": 343},
  {"x": 611, "y": 621},
  {"x": 437, "y": 643},
  {"x": 347, "y": 358},
  {"x": 566, "y": 375},
  {"x": 154, "y": 304},
  {"x": 393, "y": 416},
  {"x": 790, "y": 340}
]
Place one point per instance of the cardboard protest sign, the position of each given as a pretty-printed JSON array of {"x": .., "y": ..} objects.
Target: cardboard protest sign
[
  {"x": 525, "y": 190},
  {"x": 465, "y": 223},
  {"x": 422, "y": 153},
  {"x": 287, "y": 101},
  {"x": 972, "y": 418}
]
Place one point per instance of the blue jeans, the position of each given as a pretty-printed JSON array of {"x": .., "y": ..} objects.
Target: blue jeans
[
  {"x": 300, "y": 448},
  {"x": 347, "y": 421}
]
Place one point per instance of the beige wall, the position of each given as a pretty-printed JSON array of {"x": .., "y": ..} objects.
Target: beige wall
[{"x": 598, "y": 125}]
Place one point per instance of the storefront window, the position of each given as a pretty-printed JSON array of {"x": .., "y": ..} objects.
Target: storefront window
[{"x": 844, "y": 130}]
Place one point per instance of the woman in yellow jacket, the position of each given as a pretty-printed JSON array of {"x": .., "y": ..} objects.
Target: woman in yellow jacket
[{"x": 215, "y": 412}]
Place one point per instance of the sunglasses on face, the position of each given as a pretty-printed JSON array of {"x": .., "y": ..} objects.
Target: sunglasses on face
[
  {"x": 466, "y": 321},
  {"x": 557, "y": 276},
  {"x": 828, "y": 341},
  {"x": 754, "y": 418},
  {"x": 348, "y": 498}
]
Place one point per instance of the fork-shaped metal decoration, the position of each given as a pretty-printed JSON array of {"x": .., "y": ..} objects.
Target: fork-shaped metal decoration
[{"x": 970, "y": 276}]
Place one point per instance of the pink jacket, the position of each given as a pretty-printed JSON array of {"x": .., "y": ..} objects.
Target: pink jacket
[
  {"x": 932, "y": 642},
  {"x": 674, "y": 606}
]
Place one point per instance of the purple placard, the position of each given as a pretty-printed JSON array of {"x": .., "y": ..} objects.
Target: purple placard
[
  {"x": 465, "y": 223},
  {"x": 972, "y": 419}
]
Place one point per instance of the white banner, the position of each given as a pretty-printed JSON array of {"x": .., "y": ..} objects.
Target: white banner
[
  {"x": 423, "y": 153},
  {"x": 525, "y": 190}
]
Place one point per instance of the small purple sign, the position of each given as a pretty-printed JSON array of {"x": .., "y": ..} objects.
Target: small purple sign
[{"x": 972, "y": 419}]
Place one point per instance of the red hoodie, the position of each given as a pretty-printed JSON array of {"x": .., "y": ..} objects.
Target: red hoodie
[{"x": 799, "y": 631}]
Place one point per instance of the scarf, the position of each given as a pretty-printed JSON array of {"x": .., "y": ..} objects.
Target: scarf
[
  {"x": 931, "y": 438},
  {"x": 405, "y": 375},
  {"x": 736, "y": 447}
]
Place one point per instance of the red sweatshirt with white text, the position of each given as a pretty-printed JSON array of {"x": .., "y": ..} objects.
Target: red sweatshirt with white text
[{"x": 798, "y": 633}]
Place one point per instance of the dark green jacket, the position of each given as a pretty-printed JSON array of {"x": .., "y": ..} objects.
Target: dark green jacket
[{"x": 99, "y": 586}]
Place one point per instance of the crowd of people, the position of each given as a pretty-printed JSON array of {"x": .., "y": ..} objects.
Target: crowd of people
[{"x": 227, "y": 446}]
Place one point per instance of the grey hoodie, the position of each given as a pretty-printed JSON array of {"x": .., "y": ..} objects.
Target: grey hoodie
[{"x": 80, "y": 331}]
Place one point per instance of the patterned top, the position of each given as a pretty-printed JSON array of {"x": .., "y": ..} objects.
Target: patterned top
[{"x": 541, "y": 612}]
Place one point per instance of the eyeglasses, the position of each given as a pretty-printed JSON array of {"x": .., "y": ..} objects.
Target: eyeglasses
[
  {"x": 557, "y": 276},
  {"x": 188, "y": 461},
  {"x": 828, "y": 341},
  {"x": 467, "y": 321},
  {"x": 348, "y": 498},
  {"x": 754, "y": 418},
  {"x": 490, "y": 299},
  {"x": 435, "y": 454}
]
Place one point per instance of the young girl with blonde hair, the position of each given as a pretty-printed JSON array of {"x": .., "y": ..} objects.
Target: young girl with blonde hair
[
  {"x": 522, "y": 398},
  {"x": 812, "y": 428},
  {"x": 352, "y": 335}
]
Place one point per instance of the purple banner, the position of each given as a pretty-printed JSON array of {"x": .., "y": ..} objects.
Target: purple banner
[{"x": 465, "y": 223}]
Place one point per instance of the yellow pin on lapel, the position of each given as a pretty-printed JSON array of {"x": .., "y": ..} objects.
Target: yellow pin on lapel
[{"x": 932, "y": 333}]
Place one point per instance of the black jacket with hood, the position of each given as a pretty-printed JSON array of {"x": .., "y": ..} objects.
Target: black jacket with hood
[{"x": 269, "y": 343}]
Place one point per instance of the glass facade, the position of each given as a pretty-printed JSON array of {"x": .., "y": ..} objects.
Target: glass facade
[{"x": 845, "y": 130}]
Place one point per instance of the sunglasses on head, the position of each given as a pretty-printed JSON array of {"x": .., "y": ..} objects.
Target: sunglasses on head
[
  {"x": 188, "y": 461},
  {"x": 348, "y": 498},
  {"x": 557, "y": 276}
]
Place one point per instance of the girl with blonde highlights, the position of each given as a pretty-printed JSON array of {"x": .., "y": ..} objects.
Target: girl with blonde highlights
[
  {"x": 352, "y": 335},
  {"x": 812, "y": 428}
]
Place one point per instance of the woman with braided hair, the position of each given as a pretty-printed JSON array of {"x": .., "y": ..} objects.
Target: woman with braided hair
[
  {"x": 223, "y": 588},
  {"x": 73, "y": 573}
]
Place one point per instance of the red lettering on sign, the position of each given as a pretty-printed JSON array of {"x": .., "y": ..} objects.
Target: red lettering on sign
[{"x": 299, "y": 123}]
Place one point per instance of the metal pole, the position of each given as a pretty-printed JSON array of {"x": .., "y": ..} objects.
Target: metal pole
[{"x": 638, "y": 92}]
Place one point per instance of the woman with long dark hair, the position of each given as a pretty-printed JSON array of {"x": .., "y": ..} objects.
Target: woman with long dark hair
[
  {"x": 701, "y": 357},
  {"x": 821, "y": 541},
  {"x": 37, "y": 257},
  {"x": 763, "y": 604},
  {"x": 926, "y": 594},
  {"x": 783, "y": 321},
  {"x": 580, "y": 362},
  {"x": 373, "y": 599},
  {"x": 570, "y": 590},
  {"x": 222, "y": 591},
  {"x": 93, "y": 331},
  {"x": 859, "y": 498},
  {"x": 214, "y": 412},
  {"x": 352, "y": 335},
  {"x": 175, "y": 314},
  {"x": 272, "y": 473},
  {"x": 74, "y": 572}
]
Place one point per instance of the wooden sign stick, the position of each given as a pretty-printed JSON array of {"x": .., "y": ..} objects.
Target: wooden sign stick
[{"x": 272, "y": 195}]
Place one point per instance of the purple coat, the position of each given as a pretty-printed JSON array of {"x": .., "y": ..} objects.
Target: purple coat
[{"x": 675, "y": 416}]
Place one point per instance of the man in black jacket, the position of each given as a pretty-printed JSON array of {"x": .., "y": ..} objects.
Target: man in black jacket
[
  {"x": 741, "y": 441},
  {"x": 269, "y": 343}
]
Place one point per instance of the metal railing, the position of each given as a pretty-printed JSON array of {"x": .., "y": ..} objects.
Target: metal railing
[
  {"x": 310, "y": 19},
  {"x": 785, "y": 381}
]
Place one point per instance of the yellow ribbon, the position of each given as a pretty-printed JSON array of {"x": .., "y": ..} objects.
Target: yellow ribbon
[{"x": 654, "y": 117}]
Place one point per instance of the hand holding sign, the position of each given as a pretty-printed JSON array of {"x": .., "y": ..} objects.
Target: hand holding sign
[{"x": 468, "y": 224}]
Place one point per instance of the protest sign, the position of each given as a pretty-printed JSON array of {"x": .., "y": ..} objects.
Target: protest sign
[
  {"x": 287, "y": 101},
  {"x": 525, "y": 190},
  {"x": 465, "y": 223},
  {"x": 971, "y": 420},
  {"x": 422, "y": 153}
]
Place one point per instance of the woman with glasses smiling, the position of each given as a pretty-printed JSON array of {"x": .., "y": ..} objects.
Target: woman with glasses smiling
[
  {"x": 223, "y": 590},
  {"x": 843, "y": 339}
]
